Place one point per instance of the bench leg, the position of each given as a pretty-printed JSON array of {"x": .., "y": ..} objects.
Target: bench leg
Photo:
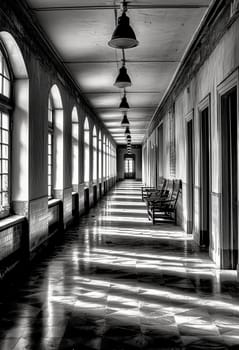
[{"x": 153, "y": 217}]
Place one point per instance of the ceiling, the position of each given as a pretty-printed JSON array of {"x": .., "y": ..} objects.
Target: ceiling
[{"x": 79, "y": 30}]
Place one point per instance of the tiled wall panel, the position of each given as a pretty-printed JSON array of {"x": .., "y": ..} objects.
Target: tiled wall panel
[
  {"x": 38, "y": 222},
  {"x": 10, "y": 240}
]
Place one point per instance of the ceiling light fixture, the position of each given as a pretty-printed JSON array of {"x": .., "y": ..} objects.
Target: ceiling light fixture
[
  {"x": 128, "y": 138},
  {"x": 123, "y": 80},
  {"x": 124, "y": 106},
  {"x": 127, "y": 131},
  {"x": 123, "y": 36},
  {"x": 125, "y": 121}
]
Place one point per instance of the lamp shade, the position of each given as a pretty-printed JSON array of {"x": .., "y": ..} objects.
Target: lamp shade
[
  {"x": 127, "y": 131},
  {"x": 123, "y": 36},
  {"x": 128, "y": 137},
  {"x": 124, "y": 106},
  {"x": 123, "y": 80},
  {"x": 125, "y": 121}
]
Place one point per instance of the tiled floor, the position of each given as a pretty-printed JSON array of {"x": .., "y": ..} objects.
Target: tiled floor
[{"x": 120, "y": 283}]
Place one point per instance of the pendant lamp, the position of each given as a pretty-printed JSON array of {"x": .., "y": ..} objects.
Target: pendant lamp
[
  {"x": 127, "y": 131},
  {"x": 125, "y": 121},
  {"x": 124, "y": 106},
  {"x": 128, "y": 137},
  {"x": 123, "y": 36},
  {"x": 123, "y": 80}
]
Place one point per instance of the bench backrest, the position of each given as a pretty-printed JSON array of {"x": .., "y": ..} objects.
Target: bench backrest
[{"x": 175, "y": 192}]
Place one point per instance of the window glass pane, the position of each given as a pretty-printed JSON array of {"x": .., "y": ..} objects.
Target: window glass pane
[
  {"x": 50, "y": 163},
  {"x": 4, "y": 152},
  {"x": 5, "y": 199},
  {"x": 5, "y": 136},
  {"x": 5, "y": 182},
  {"x": 5, "y": 166},
  {"x": 1, "y": 63},
  {"x": 5, "y": 69},
  {"x": 5, "y": 121},
  {"x": 50, "y": 116},
  {"x": 6, "y": 87},
  {"x": 4, "y": 78}
]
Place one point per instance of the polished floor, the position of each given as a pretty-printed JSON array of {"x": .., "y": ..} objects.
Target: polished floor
[{"x": 119, "y": 283}]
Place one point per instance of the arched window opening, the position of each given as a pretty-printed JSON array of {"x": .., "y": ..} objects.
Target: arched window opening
[
  {"x": 94, "y": 154},
  {"x": 104, "y": 157},
  {"x": 86, "y": 151},
  {"x": 115, "y": 162},
  {"x": 107, "y": 158},
  {"x": 75, "y": 148},
  {"x": 100, "y": 157},
  {"x": 112, "y": 161},
  {"x": 50, "y": 146},
  {"x": 14, "y": 111},
  {"x": 5, "y": 140},
  {"x": 55, "y": 141}
]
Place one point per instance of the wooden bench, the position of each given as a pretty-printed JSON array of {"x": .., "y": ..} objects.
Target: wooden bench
[
  {"x": 147, "y": 192},
  {"x": 164, "y": 207}
]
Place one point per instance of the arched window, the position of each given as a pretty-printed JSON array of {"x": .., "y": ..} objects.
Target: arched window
[
  {"x": 55, "y": 141},
  {"x": 75, "y": 147},
  {"x": 5, "y": 141},
  {"x": 14, "y": 110},
  {"x": 104, "y": 157},
  {"x": 50, "y": 146},
  {"x": 86, "y": 151},
  {"x": 94, "y": 154},
  {"x": 100, "y": 157},
  {"x": 115, "y": 163},
  {"x": 111, "y": 160},
  {"x": 107, "y": 158}
]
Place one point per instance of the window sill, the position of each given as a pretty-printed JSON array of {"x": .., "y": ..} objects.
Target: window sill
[
  {"x": 53, "y": 202},
  {"x": 11, "y": 221}
]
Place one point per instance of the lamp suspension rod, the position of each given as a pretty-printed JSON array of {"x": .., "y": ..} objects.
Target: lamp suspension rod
[
  {"x": 124, "y": 6},
  {"x": 123, "y": 53}
]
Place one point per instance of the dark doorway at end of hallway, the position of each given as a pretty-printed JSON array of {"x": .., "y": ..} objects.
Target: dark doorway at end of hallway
[{"x": 129, "y": 166}]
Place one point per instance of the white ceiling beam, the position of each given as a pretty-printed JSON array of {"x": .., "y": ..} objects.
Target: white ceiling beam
[
  {"x": 112, "y": 7},
  {"x": 119, "y": 60}
]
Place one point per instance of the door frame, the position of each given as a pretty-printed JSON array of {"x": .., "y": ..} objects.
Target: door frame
[
  {"x": 205, "y": 103},
  {"x": 190, "y": 220},
  {"x": 229, "y": 83}
]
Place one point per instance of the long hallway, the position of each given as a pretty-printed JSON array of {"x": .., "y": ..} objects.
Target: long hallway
[{"x": 117, "y": 282}]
